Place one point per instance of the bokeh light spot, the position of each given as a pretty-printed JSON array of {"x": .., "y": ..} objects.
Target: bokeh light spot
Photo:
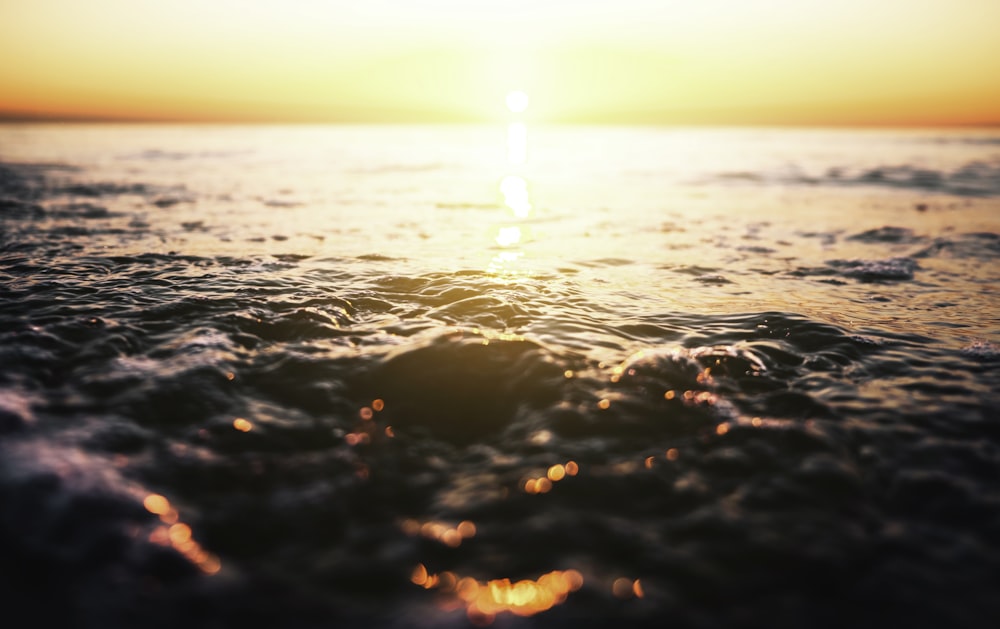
[{"x": 155, "y": 503}]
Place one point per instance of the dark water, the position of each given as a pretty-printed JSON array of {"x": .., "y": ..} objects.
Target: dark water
[{"x": 256, "y": 377}]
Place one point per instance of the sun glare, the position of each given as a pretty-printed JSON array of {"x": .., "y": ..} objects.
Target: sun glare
[
  {"x": 517, "y": 143},
  {"x": 515, "y": 195},
  {"x": 517, "y": 101}
]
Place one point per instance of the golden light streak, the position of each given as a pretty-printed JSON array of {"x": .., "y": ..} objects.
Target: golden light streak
[
  {"x": 484, "y": 600},
  {"x": 503, "y": 261},
  {"x": 515, "y": 195},
  {"x": 517, "y": 143},
  {"x": 451, "y": 536},
  {"x": 419, "y": 575},
  {"x": 157, "y": 504},
  {"x": 178, "y": 535},
  {"x": 554, "y": 474},
  {"x": 508, "y": 236},
  {"x": 466, "y": 529}
]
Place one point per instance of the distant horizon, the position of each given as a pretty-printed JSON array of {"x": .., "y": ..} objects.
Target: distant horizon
[{"x": 22, "y": 117}]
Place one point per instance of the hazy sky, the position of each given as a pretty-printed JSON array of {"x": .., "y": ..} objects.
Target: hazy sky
[{"x": 632, "y": 61}]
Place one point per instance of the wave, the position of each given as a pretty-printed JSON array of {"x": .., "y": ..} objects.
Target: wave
[
  {"x": 352, "y": 440},
  {"x": 977, "y": 178},
  {"x": 441, "y": 398}
]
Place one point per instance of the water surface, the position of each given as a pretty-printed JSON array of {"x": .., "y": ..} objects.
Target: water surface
[{"x": 398, "y": 376}]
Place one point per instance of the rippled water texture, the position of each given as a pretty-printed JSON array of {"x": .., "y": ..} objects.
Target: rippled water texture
[{"x": 387, "y": 377}]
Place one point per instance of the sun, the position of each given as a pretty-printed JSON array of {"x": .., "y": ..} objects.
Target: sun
[{"x": 517, "y": 101}]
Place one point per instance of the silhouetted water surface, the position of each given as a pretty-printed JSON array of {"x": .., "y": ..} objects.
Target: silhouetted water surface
[{"x": 382, "y": 377}]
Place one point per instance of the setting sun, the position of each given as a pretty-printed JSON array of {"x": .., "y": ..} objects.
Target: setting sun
[{"x": 517, "y": 101}]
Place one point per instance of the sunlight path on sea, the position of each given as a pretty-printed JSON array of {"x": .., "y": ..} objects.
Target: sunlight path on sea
[{"x": 514, "y": 189}]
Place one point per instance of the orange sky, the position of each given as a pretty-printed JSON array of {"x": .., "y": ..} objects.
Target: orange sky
[{"x": 849, "y": 62}]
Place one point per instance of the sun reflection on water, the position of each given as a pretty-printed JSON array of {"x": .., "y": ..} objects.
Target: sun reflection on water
[
  {"x": 517, "y": 143},
  {"x": 451, "y": 536},
  {"x": 178, "y": 535},
  {"x": 514, "y": 189},
  {"x": 543, "y": 484},
  {"x": 515, "y": 195},
  {"x": 509, "y": 236},
  {"x": 503, "y": 262},
  {"x": 483, "y": 600}
]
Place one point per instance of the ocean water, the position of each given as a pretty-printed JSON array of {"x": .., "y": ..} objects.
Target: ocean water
[{"x": 513, "y": 376}]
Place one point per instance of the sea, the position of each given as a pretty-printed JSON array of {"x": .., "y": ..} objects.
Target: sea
[{"x": 505, "y": 375}]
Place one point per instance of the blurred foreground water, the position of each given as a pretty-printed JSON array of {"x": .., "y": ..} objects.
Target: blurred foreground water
[{"x": 434, "y": 376}]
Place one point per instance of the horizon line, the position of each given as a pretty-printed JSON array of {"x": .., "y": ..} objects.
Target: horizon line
[{"x": 25, "y": 117}]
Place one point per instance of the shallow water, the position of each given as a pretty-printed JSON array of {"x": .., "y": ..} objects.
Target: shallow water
[{"x": 394, "y": 377}]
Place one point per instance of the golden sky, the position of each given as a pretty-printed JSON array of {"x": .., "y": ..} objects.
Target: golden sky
[{"x": 821, "y": 62}]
